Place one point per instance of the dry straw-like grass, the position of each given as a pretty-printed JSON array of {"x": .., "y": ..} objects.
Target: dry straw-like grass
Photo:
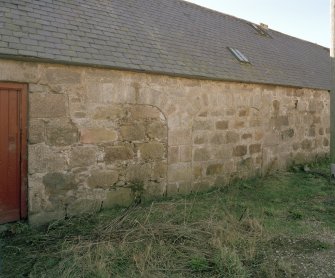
[
  {"x": 252, "y": 229},
  {"x": 143, "y": 242}
]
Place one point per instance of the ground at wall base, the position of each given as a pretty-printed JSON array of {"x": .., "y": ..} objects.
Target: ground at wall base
[{"x": 277, "y": 226}]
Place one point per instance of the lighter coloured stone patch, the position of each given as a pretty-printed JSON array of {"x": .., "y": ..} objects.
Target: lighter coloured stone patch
[
  {"x": 62, "y": 76},
  {"x": 97, "y": 135},
  {"x": 152, "y": 151},
  {"x": 47, "y": 105},
  {"x": 144, "y": 112},
  {"x": 118, "y": 153}
]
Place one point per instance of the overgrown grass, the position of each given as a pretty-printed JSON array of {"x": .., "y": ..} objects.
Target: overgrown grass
[{"x": 235, "y": 231}]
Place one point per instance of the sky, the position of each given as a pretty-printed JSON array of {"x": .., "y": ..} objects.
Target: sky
[{"x": 305, "y": 19}]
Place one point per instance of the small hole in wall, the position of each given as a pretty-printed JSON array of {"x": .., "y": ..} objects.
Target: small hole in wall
[{"x": 296, "y": 104}]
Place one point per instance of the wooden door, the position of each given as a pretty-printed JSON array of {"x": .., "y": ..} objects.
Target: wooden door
[{"x": 13, "y": 155}]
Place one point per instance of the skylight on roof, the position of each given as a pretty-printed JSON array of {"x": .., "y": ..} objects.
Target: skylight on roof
[
  {"x": 260, "y": 30},
  {"x": 239, "y": 55}
]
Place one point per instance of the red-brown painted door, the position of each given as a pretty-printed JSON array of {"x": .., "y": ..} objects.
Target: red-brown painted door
[{"x": 12, "y": 152}]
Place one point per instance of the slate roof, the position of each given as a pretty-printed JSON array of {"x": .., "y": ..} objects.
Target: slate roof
[{"x": 164, "y": 36}]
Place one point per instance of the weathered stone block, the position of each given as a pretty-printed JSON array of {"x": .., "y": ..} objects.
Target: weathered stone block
[
  {"x": 240, "y": 150},
  {"x": 97, "y": 135},
  {"x": 232, "y": 137},
  {"x": 202, "y": 125},
  {"x": 185, "y": 153},
  {"x": 214, "y": 169},
  {"x": 316, "y": 120},
  {"x": 19, "y": 71},
  {"x": 110, "y": 112},
  {"x": 255, "y": 148},
  {"x": 138, "y": 172},
  {"x": 276, "y": 106},
  {"x": 218, "y": 139},
  {"x": 102, "y": 178},
  {"x": 134, "y": 132},
  {"x": 157, "y": 130},
  {"x": 122, "y": 197},
  {"x": 180, "y": 137},
  {"x": 321, "y": 131},
  {"x": 306, "y": 144},
  {"x": 173, "y": 155},
  {"x": 62, "y": 75},
  {"x": 119, "y": 153},
  {"x": 37, "y": 88},
  {"x": 203, "y": 114},
  {"x": 287, "y": 134},
  {"x": 201, "y": 154},
  {"x": 296, "y": 146},
  {"x": 144, "y": 112},
  {"x": 259, "y": 135},
  {"x": 280, "y": 121},
  {"x": 239, "y": 124},
  {"x": 180, "y": 172},
  {"x": 246, "y": 136},
  {"x": 42, "y": 159},
  {"x": 82, "y": 156},
  {"x": 223, "y": 152},
  {"x": 222, "y": 125},
  {"x": 325, "y": 142},
  {"x": 152, "y": 151},
  {"x": 153, "y": 189},
  {"x": 197, "y": 171},
  {"x": 255, "y": 122},
  {"x": 159, "y": 170},
  {"x": 61, "y": 133},
  {"x": 79, "y": 115},
  {"x": 243, "y": 113},
  {"x": 315, "y": 106},
  {"x": 118, "y": 92},
  {"x": 47, "y": 105},
  {"x": 59, "y": 183},
  {"x": 311, "y": 132},
  {"x": 200, "y": 139},
  {"x": 36, "y": 131},
  {"x": 230, "y": 112}
]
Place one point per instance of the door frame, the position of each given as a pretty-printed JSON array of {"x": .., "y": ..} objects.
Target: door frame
[{"x": 23, "y": 108}]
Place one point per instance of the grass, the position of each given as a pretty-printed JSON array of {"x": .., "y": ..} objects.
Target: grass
[{"x": 243, "y": 230}]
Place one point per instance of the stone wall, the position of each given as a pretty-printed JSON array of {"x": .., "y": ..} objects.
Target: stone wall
[{"x": 99, "y": 137}]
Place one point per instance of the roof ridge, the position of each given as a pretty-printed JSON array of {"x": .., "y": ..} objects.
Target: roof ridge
[
  {"x": 212, "y": 10},
  {"x": 244, "y": 20}
]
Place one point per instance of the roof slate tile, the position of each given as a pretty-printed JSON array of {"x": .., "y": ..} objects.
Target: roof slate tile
[{"x": 170, "y": 36}]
